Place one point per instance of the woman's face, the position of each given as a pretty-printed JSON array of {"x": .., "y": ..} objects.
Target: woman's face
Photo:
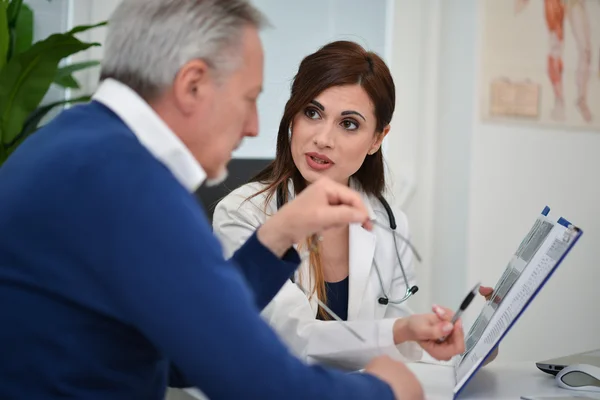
[{"x": 333, "y": 134}]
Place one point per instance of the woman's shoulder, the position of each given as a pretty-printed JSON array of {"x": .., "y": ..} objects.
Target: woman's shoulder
[
  {"x": 247, "y": 190},
  {"x": 248, "y": 198}
]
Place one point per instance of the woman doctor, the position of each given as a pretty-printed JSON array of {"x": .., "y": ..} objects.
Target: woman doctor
[{"x": 341, "y": 104}]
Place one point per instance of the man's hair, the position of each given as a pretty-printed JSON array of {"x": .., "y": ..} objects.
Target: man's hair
[{"x": 148, "y": 41}]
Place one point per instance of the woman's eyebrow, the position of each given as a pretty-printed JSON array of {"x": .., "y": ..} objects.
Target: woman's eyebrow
[
  {"x": 350, "y": 112},
  {"x": 318, "y": 105}
]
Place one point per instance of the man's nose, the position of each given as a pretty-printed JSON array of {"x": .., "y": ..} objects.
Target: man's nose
[{"x": 251, "y": 125}]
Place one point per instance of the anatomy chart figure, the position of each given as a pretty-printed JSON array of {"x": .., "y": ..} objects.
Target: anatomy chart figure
[{"x": 576, "y": 13}]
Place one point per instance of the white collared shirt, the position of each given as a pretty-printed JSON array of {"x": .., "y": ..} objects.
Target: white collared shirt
[{"x": 152, "y": 132}]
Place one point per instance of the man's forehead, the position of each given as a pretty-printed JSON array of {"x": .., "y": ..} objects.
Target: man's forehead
[{"x": 253, "y": 60}]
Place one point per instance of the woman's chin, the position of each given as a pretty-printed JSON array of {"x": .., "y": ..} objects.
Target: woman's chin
[{"x": 311, "y": 176}]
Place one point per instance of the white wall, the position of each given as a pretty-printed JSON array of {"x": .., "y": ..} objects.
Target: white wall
[
  {"x": 49, "y": 17},
  {"x": 431, "y": 126},
  {"x": 408, "y": 138},
  {"x": 298, "y": 29},
  {"x": 481, "y": 185},
  {"x": 85, "y": 12}
]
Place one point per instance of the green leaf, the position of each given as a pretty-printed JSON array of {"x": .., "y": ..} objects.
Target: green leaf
[
  {"x": 23, "y": 30},
  {"x": 26, "y": 78},
  {"x": 14, "y": 8},
  {"x": 34, "y": 119},
  {"x": 82, "y": 28},
  {"x": 4, "y": 35},
  {"x": 69, "y": 69},
  {"x": 3, "y": 156},
  {"x": 67, "y": 82},
  {"x": 64, "y": 75}
]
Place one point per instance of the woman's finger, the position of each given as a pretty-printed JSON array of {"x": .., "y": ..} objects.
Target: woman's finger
[
  {"x": 458, "y": 338},
  {"x": 486, "y": 292},
  {"x": 443, "y": 313}
]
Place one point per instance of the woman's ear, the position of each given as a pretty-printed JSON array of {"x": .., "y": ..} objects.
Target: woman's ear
[{"x": 378, "y": 140}]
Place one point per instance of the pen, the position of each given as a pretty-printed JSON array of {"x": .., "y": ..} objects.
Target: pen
[
  {"x": 334, "y": 315},
  {"x": 463, "y": 306}
]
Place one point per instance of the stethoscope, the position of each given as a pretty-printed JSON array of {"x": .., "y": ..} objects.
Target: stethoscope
[{"x": 410, "y": 290}]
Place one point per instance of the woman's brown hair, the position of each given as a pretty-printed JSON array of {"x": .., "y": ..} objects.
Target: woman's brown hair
[{"x": 335, "y": 64}]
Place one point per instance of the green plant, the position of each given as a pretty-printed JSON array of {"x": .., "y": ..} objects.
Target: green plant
[{"x": 27, "y": 70}]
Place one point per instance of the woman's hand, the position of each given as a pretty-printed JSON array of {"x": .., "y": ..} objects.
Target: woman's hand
[
  {"x": 486, "y": 292},
  {"x": 454, "y": 343},
  {"x": 426, "y": 329}
]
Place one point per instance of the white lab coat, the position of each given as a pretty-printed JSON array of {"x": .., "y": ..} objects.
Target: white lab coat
[{"x": 291, "y": 313}]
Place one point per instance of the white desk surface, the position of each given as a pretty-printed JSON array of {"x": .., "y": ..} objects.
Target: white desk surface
[{"x": 498, "y": 380}]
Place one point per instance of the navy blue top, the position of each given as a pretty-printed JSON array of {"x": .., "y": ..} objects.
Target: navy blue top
[
  {"x": 337, "y": 297},
  {"x": 110, "y": 274}
]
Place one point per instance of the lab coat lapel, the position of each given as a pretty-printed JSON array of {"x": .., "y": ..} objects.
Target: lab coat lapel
[
  {"x": 307, "y": 283},
  {"x": 303, "y": 272},
  {"x": 362, "y": 249},
  {"x": 361, "y": 246}
]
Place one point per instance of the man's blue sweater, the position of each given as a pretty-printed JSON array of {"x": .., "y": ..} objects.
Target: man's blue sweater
[{"x": 109, "y": 273}]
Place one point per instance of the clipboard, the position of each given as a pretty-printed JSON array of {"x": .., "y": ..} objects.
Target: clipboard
[{"x": 538, "y": 256}]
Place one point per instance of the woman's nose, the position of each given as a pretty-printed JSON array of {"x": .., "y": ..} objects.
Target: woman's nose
[{"x": 324, "y": 138}]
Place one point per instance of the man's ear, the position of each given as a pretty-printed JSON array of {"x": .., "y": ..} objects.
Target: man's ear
[
  {"x": 192, "y": 84},
  {"x": 378, "y": 140}
]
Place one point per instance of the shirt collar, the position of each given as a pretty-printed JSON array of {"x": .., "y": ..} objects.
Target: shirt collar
[{"x": 152, "y": 132}]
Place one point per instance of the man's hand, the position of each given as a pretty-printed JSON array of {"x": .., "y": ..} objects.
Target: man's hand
[
  {"x": 322, "y": 205},
  {"x": 426, "y": 329},
  {"x": 401, "y": 379}
]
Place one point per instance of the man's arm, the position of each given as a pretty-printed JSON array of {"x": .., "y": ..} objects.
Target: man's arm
[
  {"x": 265, "y": 273},
  {"x": 165, "y": 273}
]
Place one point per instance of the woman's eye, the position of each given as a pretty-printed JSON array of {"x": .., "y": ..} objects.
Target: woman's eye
[
  {"x": 311, "y": 113},
  {"x": 349, "y": 125}
]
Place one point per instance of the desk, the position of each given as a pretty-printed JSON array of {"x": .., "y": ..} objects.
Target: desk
[
  {"x": 502, "y": 381},
  {"x": 497, "y": 380}
]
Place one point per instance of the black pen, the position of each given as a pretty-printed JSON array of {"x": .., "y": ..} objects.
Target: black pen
[{"x": 463, "y": 306}]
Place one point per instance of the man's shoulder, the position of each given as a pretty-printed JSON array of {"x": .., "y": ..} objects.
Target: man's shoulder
[
  {"x": 81, "y": 134},
  {"x": 98, "y": 134},
  {"x": 92, "y": 115},
  {"x": 82, "y": 145}
]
